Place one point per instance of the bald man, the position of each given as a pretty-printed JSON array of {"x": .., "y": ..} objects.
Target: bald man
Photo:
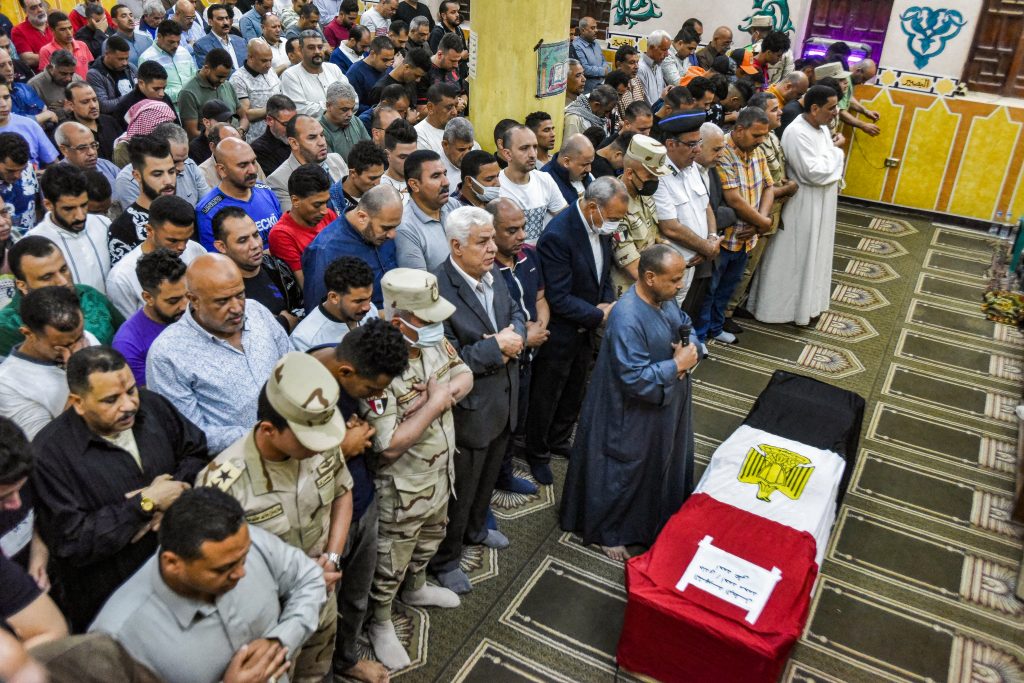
[
  {"x": 520, "y": 267},
  {"x": 239, "y": 186},
  {"x": 721, "y": 41},
  {"x": 212, "y": 363},
  {"x": 862, "y": 73},
  {"x": 77, "y": 145},
  {"x": 571, "y": 168},
  {"x": 790, "y": 88},
  {"x": 256, "y": 83}
]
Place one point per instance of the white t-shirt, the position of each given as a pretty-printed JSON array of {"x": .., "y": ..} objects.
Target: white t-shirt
[
  {"x": 123, "y": 288},
  {"x": 33, "y": 410},
  {"x": 309, "y": 91},
  {"x": 428, "y": 137},
  {"x": 540, "y": 199},
  {"x": 86, "y": 252},
  {"x": 400, "y": 185},
  {"x": 317, "y": 328},
  {"x": 682, "y": 196}
]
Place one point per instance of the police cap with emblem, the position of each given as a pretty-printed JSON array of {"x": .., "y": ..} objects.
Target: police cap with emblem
[
  {"x": 305, "y": 394},
  {"x": 686, "y": 122},
  {"x": 650, "y": 153},
  {"x": 409, "y": 289}
]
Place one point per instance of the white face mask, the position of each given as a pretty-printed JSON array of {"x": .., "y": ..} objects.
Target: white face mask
[
  {"x": 486, "y": 194},
  {"x": 607, "y": 227},
  {"x": 430, "y": 334}
]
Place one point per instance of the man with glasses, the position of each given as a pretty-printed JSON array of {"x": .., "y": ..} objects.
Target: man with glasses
[
  {"x": 124, "y": 26},
  {"x": 32, "y": 34},
  {"x": 80, "y": 149},
  {"x": 685, "y": 218},
  {"x": 306, "y": 82}
]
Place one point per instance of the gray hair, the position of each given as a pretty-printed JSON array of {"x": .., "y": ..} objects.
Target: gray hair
[
  {"x": 462, "y": 220},
  {"x": 655, "y": 38},
  {"x": 171, "y": 132},
  {"x": 603, "y": 190},
  {"x": 604, "y": 95},
  {"x": 459, "y": 129},
  {"x": 308, "y": 34},
  {"x": 340, "y": 90},
  {"x": 152, "y": 7},
  {"x": 709, "y": 130},
  {"x": 574, "y": 62},
  {"x": 63, "y": 59},
  {"x": 60, "y": 136},
  {"x": 376, "y": 199},
  {"x": 748, "y": 116},
  {"x": 418, "y": 22}
]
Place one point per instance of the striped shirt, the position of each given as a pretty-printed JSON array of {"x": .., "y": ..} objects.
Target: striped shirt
[{"x": 747, "y": 172}]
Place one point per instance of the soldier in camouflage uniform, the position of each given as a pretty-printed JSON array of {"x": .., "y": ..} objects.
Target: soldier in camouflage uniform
[
  {"x": 784, "y": 188},
  {"x": 291, "y": 480},
  {"x": 414, "y": 445},
  {"x": 643, "y": 164}
]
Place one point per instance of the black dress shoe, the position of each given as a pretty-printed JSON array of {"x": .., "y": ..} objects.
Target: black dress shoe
[
  {"x": 742, "y": 313},
  {"x": 732, "y": 326}
]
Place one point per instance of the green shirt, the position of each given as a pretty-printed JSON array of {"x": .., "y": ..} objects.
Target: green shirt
[
  {"x": 101, "y": 318},
  {"x": 341, "y": 140},
  {"x": 198, "y": 91}
]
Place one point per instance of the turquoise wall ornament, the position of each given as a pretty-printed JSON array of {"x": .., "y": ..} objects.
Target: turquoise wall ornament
[
  {"x": 778, "y": 10},
  {"x": 928, "y": 30},
  {"x": 632, "y": 12}
]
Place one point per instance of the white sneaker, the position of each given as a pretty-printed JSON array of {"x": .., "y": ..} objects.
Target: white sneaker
[
  {"x": 431, "y": 596},
  {"x": 386, "y": 645},
  {"x": 726, "y": 337}
]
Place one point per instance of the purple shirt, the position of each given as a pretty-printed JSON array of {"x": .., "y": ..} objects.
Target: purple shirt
[{"x": 133, "y": 340}]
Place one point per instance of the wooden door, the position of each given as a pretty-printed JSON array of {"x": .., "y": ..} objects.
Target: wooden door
[
  {"x": 863, "y": 21},
  {"x": 994, "y": 63}
]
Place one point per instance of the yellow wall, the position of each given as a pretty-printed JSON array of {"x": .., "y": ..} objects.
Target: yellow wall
[
  {"x": 957, "y": 155},
  {"x": 505, "y": 86}
]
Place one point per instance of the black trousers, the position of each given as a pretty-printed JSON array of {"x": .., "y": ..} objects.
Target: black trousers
[
  {"x": 357, "y": 566},
  {"x": 519, "y": 431},
  {"x": 695, "y": 297},
  {"x": 476, "y": 471},
  {"x": 556, "y": 394}
]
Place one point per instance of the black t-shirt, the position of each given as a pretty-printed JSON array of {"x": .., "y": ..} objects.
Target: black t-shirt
[
  {"x": 127, "y": 231},
  {"x": 407, "y": 12},
  {"x": 789, "y": 114},
  {"x": 16, "y": 529},
  {"x": 602, "y": 167},
  {"x": 19, "y": 589},
  {"x": 362, "y": 492},
  {"x": 261, "y": 288}
]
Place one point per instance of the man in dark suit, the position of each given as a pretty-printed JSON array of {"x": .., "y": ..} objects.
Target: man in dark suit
[
  {"x": 220, "y": 35},
  {"x": 488, "y": 329},
  {"x": 575, "y": 252}
]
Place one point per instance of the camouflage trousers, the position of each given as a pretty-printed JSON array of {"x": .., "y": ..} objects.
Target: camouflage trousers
[
  {"x": 313, "y": 662},
  {"x": 413, "y": 518}
]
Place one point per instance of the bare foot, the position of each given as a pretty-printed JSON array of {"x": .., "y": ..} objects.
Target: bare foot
[
  {"x": 369, "y": 671},
  {"x": 617, "y": 553}
]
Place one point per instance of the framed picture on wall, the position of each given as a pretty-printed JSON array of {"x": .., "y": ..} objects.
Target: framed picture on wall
[{"x": 552, "y": 68}]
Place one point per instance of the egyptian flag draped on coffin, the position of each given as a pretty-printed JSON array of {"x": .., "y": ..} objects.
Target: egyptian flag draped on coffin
[
  {"x": 779, "y": 479},
  {"x": 703, "y": 632}
]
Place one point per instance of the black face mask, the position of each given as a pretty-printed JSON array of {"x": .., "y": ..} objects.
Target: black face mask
[{"x": 648, "y": 187}]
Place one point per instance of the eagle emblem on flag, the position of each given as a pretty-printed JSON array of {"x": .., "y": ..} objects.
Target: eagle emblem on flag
[
  {"x": 377, "y": 405},
  {"x": 776, "y": 469}
]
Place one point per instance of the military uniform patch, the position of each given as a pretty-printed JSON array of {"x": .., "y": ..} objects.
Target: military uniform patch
[
  {"x": 222, "y": 476},
  {"x": 452, "y": 353},
  {"x": 265, "y": 515},
  {"x": 378, "y": 405}
]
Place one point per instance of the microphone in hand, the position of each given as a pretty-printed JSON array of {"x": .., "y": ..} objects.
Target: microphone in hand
[{"x": 684, "y": 334}]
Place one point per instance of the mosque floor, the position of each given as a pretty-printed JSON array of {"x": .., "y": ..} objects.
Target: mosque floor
[{"x": 918, "y": 580}]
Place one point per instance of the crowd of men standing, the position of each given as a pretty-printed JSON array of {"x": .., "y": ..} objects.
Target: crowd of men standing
[{"x": 274, "y": 325}]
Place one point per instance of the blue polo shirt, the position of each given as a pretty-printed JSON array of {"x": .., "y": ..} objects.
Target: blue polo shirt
[
  {"x": 525, "y": 280},
  {"x": 262, "y": 206},
  {"x": 339, "y": 239}
]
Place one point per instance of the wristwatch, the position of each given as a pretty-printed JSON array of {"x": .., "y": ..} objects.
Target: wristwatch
[
  {"x": 334, "y": 558},
  {"x": 147, "y": 505}
]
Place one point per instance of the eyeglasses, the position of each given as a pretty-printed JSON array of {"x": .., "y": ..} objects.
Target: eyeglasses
[{"x": 95, "y": 146}]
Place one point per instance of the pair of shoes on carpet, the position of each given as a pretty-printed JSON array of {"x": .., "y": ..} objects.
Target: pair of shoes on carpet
[
  {"x": 732, "y": 327},
  {"x": 518, "y": 485},
  {"x": 724, "y": 337},
  {"x": 541, "y": 471}
]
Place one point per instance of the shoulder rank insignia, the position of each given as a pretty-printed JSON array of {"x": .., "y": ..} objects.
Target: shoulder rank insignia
[
  {"x": 776, "y": 469},
  {"x": 452, "y": 353},
  {"x": 223, "y": 476},
  {"x": 377, "y": 405}
]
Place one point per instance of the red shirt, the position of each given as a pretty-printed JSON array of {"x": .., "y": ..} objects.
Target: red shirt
[
  {"x": 288, "y": 239},
  {"x": 83, "y": 55},
  {"x": 335, "y": 33},
  {"x": 27, "y": 38}
]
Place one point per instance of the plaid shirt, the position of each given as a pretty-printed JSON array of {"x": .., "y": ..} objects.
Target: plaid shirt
[{"x": 748, "y": 173}]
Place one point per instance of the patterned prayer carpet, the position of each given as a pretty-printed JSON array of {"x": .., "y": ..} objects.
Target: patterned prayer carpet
[{"x": 918, "y": 581}]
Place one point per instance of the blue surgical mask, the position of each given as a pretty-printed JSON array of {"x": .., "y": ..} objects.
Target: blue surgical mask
[
  {"x": 486, "y": 194},
  {"x": 430, "y": 334}
]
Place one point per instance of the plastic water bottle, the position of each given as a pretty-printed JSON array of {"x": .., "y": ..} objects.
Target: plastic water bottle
[{"x": 997, "y": 224}]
